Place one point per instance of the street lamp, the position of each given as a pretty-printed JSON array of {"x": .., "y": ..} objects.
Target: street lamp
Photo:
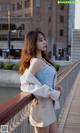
[{"x": 9, "y": 32}]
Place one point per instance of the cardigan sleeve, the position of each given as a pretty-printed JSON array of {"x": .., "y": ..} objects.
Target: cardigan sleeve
[{"x": 40, "y": 91}]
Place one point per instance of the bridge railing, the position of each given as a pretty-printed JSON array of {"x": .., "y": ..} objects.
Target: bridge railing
[
  {"x": 14, "y": 112},
  {"x": 67, "y": 79}
]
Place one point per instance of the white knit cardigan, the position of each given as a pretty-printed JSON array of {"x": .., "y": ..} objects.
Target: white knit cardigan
[{"x": 43, "y": 112}]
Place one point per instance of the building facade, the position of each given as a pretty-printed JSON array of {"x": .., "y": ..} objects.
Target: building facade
[
  {"x": 71, "y": 25},
  {"x": 46, "y": 15},
  {"x": 75, "y": 45}
]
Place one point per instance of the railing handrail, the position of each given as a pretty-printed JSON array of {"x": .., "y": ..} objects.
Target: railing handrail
[
  {"x": 14, "y": 105},
  {"x": 67, "y": 69}
]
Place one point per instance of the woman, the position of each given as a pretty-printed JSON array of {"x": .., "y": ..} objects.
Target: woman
[{"x": 38, "y": 77}]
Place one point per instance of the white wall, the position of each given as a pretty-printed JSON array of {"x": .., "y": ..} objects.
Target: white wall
[{"x": 77, "y": 16}]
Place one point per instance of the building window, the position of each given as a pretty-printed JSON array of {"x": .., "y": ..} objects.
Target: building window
[
  {"x": 27, "y": 14},
  {"x": 22, "y": 26},
  {"x": 27, "y": 3},
  {"x": 37, "y": 11},
  {"x": 61, "y": 19},
  {"x": 0, "y": 26},
  {"x": 13, "y": 7},
  {"x": 19, "y": 5},
  {"x": 62, "y": 7},
  {"x": 3, "y": 37},
  {"x": 61, "y": 32},
  {"x": 38, "y": 3},
  {"x": 4, "y": 26},
  {"x": 0, "y": 7},
  {"x": 49, "y": 54},
  {"x": 12, "y": 26},
  {"x": 49, "y": 4},
  {"x": 19, "y": 16},
  {"x": 38, "y": 29},
  {"x": 49, "y": 19}
]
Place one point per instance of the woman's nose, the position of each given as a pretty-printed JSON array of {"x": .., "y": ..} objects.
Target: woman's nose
[{"x": 45, "y": 42}]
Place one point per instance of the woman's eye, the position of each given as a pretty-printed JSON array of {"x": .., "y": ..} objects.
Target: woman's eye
[{"x": 42, "y": 40}]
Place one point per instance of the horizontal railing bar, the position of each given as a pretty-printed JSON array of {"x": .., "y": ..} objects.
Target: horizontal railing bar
[
  {"x": 67, "y": 69},
  {"x": 13, "y": 106}
]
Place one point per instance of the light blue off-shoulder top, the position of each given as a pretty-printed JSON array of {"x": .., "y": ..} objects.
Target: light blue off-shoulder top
[{"x": 47, "y": 75}]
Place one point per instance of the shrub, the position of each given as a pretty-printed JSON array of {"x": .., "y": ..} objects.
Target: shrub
[
  {"x": 57, "y": 67},
  {"x": 1, "y": 64},
  {"x": 16, "y": 67},
  {"x": 8, "y": 66}
]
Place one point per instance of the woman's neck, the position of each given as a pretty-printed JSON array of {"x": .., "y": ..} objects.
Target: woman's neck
[{"x": 38, "y": 55}]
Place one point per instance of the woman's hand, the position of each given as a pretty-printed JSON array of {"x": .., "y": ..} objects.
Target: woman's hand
[{"x": 59, "y": 88}]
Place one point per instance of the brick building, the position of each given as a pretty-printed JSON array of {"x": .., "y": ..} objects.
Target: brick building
[{"x": 26, "y": 15}]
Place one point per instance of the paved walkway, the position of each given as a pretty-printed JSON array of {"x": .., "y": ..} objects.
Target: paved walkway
[{"x": 70, "y": 122}]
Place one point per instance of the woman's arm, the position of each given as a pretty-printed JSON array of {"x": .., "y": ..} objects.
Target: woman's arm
[{"x": 43, "y": 91}]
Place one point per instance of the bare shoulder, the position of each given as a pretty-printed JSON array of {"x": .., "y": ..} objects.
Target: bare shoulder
[{"x": 35, "y": 65}]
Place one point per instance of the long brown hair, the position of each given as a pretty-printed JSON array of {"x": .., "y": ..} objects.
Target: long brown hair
[{"x": 30, "y": 50}]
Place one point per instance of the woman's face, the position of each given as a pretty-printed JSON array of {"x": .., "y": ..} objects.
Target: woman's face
[{"x": 41, "y": 43}]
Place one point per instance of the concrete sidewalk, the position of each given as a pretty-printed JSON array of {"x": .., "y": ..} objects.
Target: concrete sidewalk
[{"x": 70, "y": 122}]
